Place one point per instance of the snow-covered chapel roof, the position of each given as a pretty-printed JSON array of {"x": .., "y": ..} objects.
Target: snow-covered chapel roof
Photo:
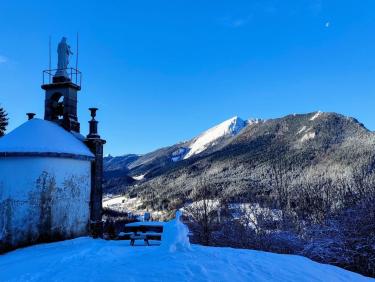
[{"x": 41, "y": 137}]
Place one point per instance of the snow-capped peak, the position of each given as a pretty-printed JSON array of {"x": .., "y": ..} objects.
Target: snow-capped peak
[
  {"x": 206, "y": 139},
  {"x": 316, "y": 115}
]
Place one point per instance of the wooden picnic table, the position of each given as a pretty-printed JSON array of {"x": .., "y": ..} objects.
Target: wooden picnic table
[{"x": 143, "y": 231}]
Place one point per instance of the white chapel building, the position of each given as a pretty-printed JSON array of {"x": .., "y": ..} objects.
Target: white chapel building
[{"x": 50, "y": 174}]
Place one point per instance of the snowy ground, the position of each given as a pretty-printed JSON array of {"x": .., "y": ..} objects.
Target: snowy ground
[{"x": 86, "y": 259}]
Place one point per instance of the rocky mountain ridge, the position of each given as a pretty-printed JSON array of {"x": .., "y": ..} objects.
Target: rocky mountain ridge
[
  {"x": 137, "y": 166},
  {"x": 300, "y": 147}
]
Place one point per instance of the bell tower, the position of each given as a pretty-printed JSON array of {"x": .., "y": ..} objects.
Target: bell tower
[{"x": 61, "y": 87}]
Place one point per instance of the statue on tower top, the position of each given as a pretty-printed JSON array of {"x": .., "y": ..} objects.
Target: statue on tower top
[{"x": 63, "y": 52}]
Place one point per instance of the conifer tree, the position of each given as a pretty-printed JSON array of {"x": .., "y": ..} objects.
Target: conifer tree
[{"x": 3, "y": 121}]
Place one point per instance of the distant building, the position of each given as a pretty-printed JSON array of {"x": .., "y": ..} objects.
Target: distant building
[{"x": 50, "y": 174}]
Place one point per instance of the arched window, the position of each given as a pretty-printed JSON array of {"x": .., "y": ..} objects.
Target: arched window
[{"x": 57, "y": 105}]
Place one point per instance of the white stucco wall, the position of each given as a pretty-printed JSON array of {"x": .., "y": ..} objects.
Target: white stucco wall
[{"x": 43, "y": 198}]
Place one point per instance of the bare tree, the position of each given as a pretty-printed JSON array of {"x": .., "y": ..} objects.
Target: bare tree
[{"x": 201, "y": 211}]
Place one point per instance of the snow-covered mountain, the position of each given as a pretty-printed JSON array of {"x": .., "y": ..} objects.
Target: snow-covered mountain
[
  {"x": 141, "y": 165},
  {"x": 303, "y": 138},
  {"x": 208, "y": 138}
]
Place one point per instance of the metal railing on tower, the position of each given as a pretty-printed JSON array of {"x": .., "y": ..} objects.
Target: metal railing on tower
[{"x": 72, "y": 75}]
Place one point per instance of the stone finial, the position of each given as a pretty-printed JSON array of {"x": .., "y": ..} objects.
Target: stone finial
[
  {"x": 93, "y": 133},
  {"x": 93, "y": 112},
  {"x": 30, "y": 115}
]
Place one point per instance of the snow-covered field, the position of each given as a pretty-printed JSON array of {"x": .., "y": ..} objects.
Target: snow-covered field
[{"x": 86, "y": 259}]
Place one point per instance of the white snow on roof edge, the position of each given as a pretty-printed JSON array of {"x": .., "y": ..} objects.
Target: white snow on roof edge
[{"x": 41, "y": 136}]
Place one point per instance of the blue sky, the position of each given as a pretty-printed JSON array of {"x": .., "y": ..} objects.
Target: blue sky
[{"x": 163, "y": 71}]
